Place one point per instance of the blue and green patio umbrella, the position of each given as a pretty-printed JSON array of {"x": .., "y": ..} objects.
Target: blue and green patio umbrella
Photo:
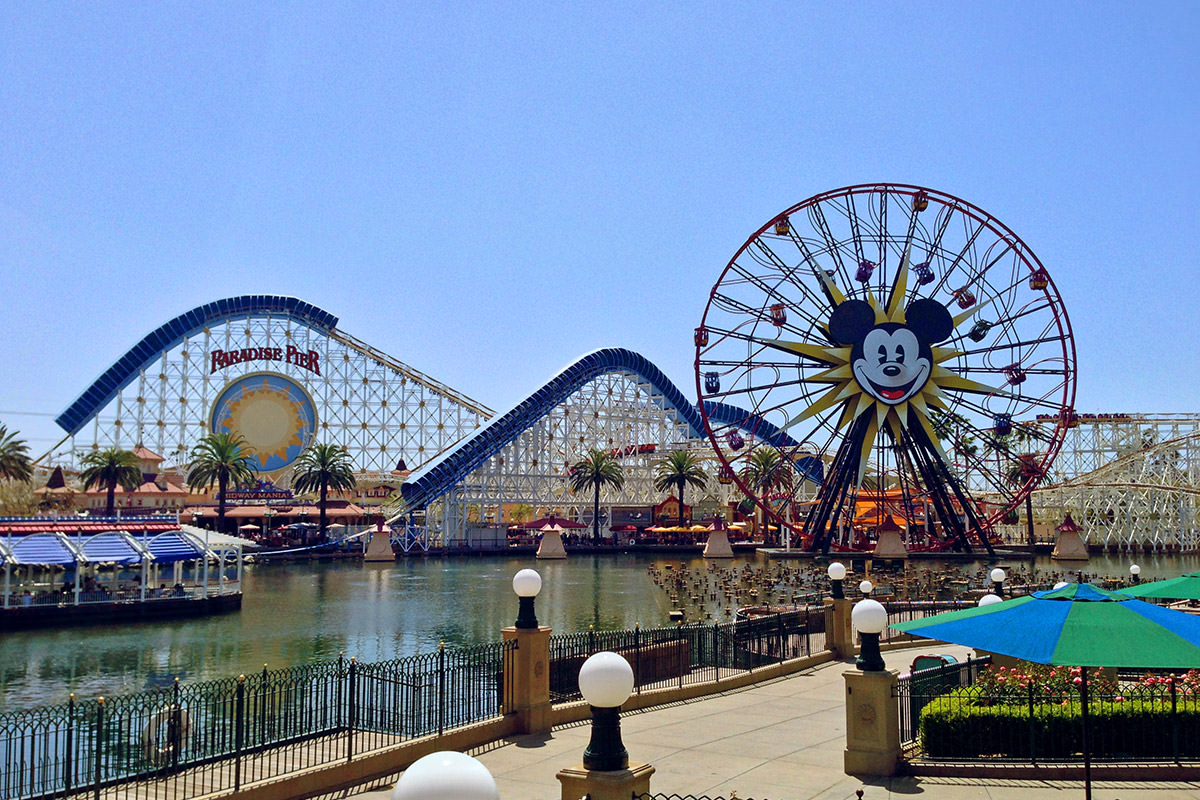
[
  {"x": 1078, "y": 625},
  {"x": 1185, "y": 587}
]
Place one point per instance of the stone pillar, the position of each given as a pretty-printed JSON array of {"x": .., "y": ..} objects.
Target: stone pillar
[
  {"x": 872, "y": 723},
  {"x": 839, "y": 635},
  {"x": 618, "y": 784},
  {"x": 527, "y": 689}
]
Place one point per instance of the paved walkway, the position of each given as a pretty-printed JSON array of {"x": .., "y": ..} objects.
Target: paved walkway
[{"x": 780, "y": 740}]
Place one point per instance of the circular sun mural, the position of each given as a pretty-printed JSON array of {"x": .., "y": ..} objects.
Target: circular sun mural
[{"x": 271, "y": 412}]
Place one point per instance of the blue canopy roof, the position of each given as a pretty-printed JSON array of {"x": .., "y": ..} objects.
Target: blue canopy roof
[
  {"x": 172, "y": 546},
  {"x": 38, "y": 548},
  {"x": 119, "y": 547},
  {"x": 115, "y": 547}
]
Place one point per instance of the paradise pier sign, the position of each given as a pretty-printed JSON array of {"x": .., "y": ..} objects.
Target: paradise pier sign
[{"x": 309, "y": 360}]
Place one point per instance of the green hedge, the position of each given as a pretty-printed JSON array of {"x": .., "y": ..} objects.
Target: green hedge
[{"x": 963, "y": 725}]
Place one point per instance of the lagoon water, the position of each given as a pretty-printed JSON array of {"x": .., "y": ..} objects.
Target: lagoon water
[{"x": 300, "y": 613}]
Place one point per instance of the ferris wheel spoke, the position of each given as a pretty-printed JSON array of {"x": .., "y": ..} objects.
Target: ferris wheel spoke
[
  {"x": 762, "y": 314},
  {"x": 831, "y": 241},
  {"x": 1010, "y": 346}
]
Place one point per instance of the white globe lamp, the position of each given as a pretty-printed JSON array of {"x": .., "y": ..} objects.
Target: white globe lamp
[
  {"x": 526, "y": 583},
  {"x": 837, "y": 574},
  {"x": 446, "y": 775},
  {"x": 870, "y": 618},
  {"x": 998, "y": 577},
  {"x": 606, "y": 681}
]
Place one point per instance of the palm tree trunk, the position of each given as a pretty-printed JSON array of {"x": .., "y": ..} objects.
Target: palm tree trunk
[
  {"x": 1029, "y": 520},
  {"x": 596, "y": 516},
  {"x": 222, "y": 482},
  {"x": 324, "y": 494},
  {"x": 681, "y": 485},
  {"x": 112, "y": 492}
]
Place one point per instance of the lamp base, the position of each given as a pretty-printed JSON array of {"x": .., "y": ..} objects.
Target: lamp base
[
  {"x": 579, "y": 781},
  {"x": 869, "y": 657},
  {"x": 606, "y": 752},
  {"x": 526, "y": 619}
]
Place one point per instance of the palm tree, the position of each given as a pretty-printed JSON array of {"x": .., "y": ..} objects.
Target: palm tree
[
  {"x": 220, "y": 458},
  {"x": 14, "y": 457},
  {"x": 108, "y": 468},
  {"x": 521, "y": 512},
  {"x": 678, "y": 470},
  {"x": 598, "y": 468},
  {"x": 767, "y": 472},
  {"x": 320, "y": 468}
]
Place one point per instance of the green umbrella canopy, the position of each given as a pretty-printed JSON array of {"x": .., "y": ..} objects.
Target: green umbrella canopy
[
  {"x": 1185, "y": 587},
  {"x": 1079, "y": 625}
]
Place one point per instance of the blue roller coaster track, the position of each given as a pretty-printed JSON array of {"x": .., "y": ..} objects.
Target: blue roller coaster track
[
  {"x": 171, "y": 333},
  {"x": 438, "y": 476}
]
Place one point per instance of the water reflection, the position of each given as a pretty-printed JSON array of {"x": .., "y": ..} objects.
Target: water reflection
[{"x": 307, "y": 612}]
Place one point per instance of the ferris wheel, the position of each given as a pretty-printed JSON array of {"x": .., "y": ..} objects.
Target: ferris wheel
[{"x": 897, "y": 360}]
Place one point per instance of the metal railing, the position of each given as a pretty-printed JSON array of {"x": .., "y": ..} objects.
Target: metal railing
[
  {"x": 213, "y": 736},
  {"x": 689, "y": 653},
  {"x": 917, "y": 690},
  {"x": 217, "y": 735},
  {"x": 908, "y": 610}
]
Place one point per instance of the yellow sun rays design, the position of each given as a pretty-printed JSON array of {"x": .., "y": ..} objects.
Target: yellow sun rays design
[
  {"x": 270, "y": 421},
  {"x": 845, "y": 389}
]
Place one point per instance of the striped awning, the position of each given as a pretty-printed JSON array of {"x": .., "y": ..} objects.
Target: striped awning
[
  {"x": 172, "y": 546},
  {"x": 113, "y": 547}
]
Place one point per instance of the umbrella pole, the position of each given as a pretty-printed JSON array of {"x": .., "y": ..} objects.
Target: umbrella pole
[{"x": 1087, "y": 756}]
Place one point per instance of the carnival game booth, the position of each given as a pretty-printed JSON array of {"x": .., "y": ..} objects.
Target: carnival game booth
[{"x": 60, "y": 579}]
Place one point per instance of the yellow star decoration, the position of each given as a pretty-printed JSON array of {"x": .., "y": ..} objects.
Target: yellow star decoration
[{"x": 844, "y": 387}]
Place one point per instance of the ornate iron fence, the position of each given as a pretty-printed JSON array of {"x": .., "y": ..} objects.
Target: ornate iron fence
[
  {"x": 907, "y": 610},
  {"x": 686, "y": 654},
  {"x": 215, "y": 735},
  {"x": 916, "y": 690}
]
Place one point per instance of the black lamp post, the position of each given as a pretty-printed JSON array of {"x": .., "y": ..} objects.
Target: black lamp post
[
  {"x": 526, "y": 583},
  {"x": 870, "y": 617},
  {"x": 1135, "y": 573},
  {"x": 837, "y": 574},
  {"x": 998, "y": 577},
  {"x": 606, "y": 681}
]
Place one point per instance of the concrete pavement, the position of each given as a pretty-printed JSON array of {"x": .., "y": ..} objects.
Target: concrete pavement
[{"x": 780, "y": 740}]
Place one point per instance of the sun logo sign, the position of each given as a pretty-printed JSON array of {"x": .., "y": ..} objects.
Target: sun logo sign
[{"x": 275, "y": 416}]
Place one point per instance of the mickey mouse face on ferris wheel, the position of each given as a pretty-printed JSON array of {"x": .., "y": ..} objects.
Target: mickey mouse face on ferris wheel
[{"x": 891, "y": 361}]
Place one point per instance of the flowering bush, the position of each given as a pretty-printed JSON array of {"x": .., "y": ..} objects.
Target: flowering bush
[
  {"x": 1012, "y": 684},
  {"x": 1187, "y": 683}
]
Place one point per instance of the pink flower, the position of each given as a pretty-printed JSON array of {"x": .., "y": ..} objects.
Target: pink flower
[{"x": 1077, "y": 681}]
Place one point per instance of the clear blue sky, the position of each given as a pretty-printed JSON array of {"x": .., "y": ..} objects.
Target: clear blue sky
[{"x": 489, "y": 190}]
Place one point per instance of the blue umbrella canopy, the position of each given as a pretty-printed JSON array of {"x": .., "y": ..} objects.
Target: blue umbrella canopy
[{"x": 1078, "y": 625}]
